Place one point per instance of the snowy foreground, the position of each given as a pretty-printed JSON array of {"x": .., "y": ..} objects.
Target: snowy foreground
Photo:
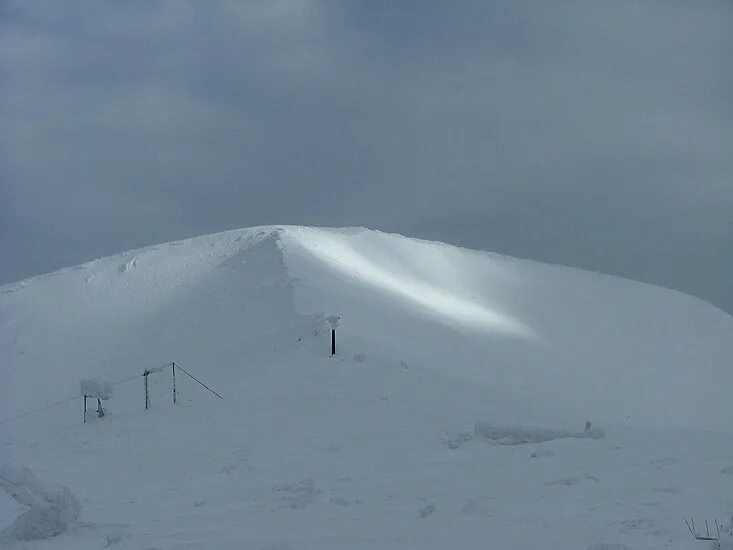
[{"x": 452, "y": 416}]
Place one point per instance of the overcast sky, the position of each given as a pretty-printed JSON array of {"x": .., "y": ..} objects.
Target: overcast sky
[{"x": 597, "y": 134}]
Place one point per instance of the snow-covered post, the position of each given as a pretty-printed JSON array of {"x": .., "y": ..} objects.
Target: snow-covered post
[{"x": 333, "y": 320}]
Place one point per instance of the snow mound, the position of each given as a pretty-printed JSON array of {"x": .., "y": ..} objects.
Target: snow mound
[
  {"x": 52, "y": 507},
  {"x": 96, "y": 387},
  {"x": 519, "y": 435}
]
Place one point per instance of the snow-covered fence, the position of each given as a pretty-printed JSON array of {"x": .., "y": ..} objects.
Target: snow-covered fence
[
  {"x": 174, "y": 367},
  {"x": 714, "y": 538},
  {"x": 95, "y": 388},
  {"x": 199, "y": 382},
  {"x": 161, "y": 368}
]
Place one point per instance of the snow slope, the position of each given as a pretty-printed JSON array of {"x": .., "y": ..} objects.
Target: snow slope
[{"x": 308, "y": 451}]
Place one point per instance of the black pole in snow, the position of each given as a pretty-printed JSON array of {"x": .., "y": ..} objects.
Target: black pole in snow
[
  {"x": 174, "y": 382},
  {"x": 333, "y": 341},
  {"x": 147, "y": 397},
  {"x": 85, "y": 409}
]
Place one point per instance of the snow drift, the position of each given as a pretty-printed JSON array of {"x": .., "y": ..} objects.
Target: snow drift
[
  {"x": 522, "y": 435},
  {"x": 52, "y": 507}
]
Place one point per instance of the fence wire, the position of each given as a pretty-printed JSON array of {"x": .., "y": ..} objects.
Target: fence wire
[{"x": 67, "y": 399}]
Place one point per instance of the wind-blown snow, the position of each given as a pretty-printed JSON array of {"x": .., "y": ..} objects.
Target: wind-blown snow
[{"x": 350, "y": 451}]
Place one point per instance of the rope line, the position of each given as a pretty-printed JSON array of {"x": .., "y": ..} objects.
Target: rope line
[
  {"x": 197, "y": 380},
  {"x": 21, "y": 415},
  {"x": 67, "y": 399}
]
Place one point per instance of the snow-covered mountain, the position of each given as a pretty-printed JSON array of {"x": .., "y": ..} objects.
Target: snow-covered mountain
[{"x": 374, "y": 447}]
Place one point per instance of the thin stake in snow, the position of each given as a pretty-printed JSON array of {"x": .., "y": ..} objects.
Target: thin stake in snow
[
  {"x": 173, "y": 364},
  {"x": 333, "y": 320},
  {"x": 147, "y": 395}
]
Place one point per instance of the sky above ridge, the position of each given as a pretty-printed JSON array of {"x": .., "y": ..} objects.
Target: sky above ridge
[{"x": 595, "y": 134}]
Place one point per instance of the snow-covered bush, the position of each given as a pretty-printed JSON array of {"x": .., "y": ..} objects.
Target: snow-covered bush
[{"x": 52, "y": 507}]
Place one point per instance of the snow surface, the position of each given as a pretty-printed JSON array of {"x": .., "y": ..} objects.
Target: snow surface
[{"x": 374, "y": 447}]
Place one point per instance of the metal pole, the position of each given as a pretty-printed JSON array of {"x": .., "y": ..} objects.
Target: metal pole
[
  {"x": 174, "y": 382},
  {"x": 147, "y": 397},
  {"x": 333, "y": 341},
  {"x": 85, "y": 409}
]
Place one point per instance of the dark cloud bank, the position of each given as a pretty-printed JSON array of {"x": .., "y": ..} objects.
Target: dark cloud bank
[{"x": 597, "y": 134}]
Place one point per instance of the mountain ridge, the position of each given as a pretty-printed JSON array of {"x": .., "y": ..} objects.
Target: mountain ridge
[{"x": 279, "y": 229}]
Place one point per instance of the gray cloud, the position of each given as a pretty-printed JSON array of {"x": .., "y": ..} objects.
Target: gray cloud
[{"x": 594, "y": 134}]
